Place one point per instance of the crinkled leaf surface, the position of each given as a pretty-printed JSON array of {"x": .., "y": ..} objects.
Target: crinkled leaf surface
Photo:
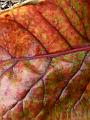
[{"x": 45, "y": 61}]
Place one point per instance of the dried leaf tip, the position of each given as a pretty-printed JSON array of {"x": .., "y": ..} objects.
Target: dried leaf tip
[
  {"x": 28, "y": 2},
  {"x": 32, "y": 1}
]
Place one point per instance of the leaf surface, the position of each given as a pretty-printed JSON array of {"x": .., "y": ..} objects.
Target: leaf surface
[{"x": 45, "y": 61}]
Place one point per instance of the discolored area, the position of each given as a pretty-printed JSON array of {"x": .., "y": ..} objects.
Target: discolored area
[
  {"x": 13, "y": 37},
  {"x": 45, "y": 61}
]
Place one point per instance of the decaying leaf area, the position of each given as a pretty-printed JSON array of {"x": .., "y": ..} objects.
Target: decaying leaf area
[{"x": 45, "y": 60}]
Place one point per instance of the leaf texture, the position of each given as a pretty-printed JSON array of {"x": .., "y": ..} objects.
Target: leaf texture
[{"x": 45, "y": 61}]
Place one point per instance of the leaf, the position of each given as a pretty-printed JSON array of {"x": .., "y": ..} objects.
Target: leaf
[{"x": 45, "y": 61}]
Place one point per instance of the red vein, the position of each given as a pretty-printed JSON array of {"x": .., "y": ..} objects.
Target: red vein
[{"x": 53, "y": 55}]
